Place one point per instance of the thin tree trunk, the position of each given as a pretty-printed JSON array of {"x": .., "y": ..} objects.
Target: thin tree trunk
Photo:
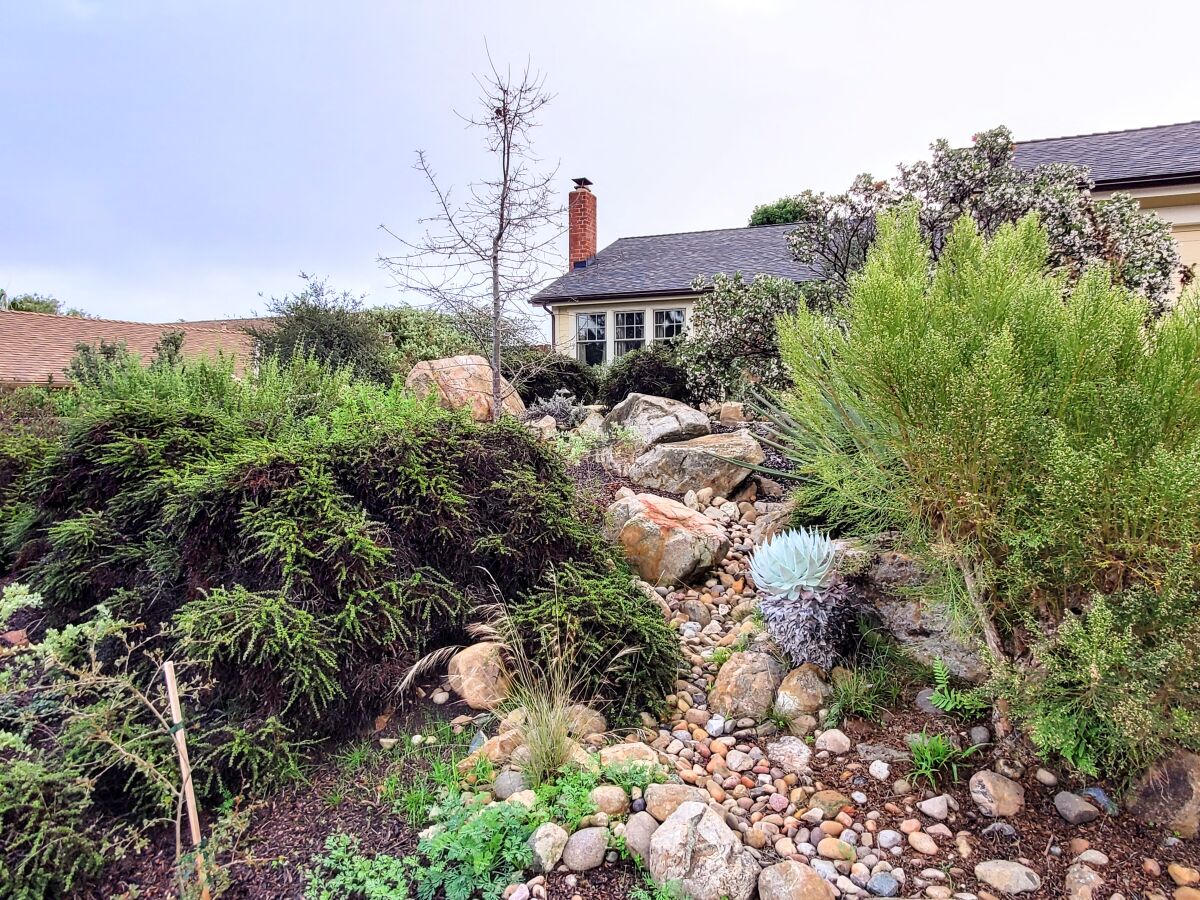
[
  {"x": 991, "y": 636},
  {"x": 497, "y": 317}
]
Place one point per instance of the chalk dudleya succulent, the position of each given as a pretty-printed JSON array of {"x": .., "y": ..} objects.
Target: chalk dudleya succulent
[
  {"x": 806, "y": 610},
  {"x": 792, "y": 562}
]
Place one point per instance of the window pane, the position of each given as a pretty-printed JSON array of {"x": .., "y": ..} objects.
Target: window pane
[
  {"x": 590, "y": 352},
  {"x": 624, "y": 347},
  {"x": 668, "y": 323},
  {"x": 591, "y": 337}
]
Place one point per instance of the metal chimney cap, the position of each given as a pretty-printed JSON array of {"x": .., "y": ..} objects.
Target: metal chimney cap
[{"x": 582, "y": 182}]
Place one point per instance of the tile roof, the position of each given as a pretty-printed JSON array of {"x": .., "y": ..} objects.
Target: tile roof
[
  {"x": 1161, "y": 154},
  {"x": 36, "y": 348},
  {"x": 668, "y": 263}
]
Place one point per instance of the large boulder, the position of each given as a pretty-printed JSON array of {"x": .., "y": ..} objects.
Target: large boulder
[
  {"x": 477, "y": 674},
  {"x": 746, "y": 685},
  {"x": 666, "y": 542},
  {"x": 463, "y": 382},
  {"x": 664, "y": 799},
  {"x": 1168, "y": 796},
  {"x": 711, "y": 461},
  {"x": 696, "y": 848},
  {"x": 641, "y": 420}
]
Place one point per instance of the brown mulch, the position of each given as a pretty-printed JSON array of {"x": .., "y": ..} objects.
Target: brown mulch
[{"x": 1039, "y": 827}]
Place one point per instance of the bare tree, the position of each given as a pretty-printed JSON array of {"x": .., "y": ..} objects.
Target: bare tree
[{"x": 481, "y": 258}]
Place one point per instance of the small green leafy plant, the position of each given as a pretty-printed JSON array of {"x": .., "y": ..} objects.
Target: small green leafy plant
[
  {"x": 934, "y": 757},
  {"x": 343, "y": 872},
  {"x": 951, "y": 699}
]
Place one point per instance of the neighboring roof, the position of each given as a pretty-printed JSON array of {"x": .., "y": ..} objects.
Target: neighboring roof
[
  {"x": 669, "y": 263},
  {"x": 1138, "y": 157},
  {"x": 36, "y": 348}
]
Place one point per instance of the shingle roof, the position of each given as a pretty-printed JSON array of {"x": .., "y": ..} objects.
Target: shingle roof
[
  {"x": 36, "y": 348},
  {"x": 669, "y": 263},
  {"x": 1162, "y": 154}
]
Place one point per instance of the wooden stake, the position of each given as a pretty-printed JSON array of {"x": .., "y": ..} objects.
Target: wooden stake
[{"x": 185, "y": 769}]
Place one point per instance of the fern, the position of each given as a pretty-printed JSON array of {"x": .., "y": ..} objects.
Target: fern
[{"x": 950, "y": 699}]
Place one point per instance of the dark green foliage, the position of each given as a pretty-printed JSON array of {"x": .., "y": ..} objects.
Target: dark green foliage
[
  {"x": 655, "y": 370},
  {"x": 951, "y": 699},
  {"x": 334, "y": 328},
  {"x": 781, "y": 212},
  {"x": 303, "y": 538},
  {"x": 539, "y": 374},
  {"x": 605, "y": 613},
  {"x": 934, "y": 758}
]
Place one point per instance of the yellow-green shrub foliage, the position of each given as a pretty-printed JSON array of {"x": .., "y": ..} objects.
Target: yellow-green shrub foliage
[{"x": 1037, "y": 449}]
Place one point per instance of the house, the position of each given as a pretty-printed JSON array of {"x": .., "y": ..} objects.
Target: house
[
  {"x": 1160, "y": 166},
  {"x": 639, "y": 289},
  {"x": 36, "y": 348}
]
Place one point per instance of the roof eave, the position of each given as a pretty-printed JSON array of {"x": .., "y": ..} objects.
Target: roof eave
[
  {"x": 1147, "y": 181},
  {"x": 539, "y": 300}
]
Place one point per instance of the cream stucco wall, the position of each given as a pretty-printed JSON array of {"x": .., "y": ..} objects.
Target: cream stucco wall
[{"x": 564, "y": 318}]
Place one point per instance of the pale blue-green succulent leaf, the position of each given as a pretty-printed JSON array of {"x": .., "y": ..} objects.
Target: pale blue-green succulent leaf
[{"x": 791, "y": 562}]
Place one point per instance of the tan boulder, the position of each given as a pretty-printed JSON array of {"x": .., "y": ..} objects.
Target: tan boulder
[
  {"x": 666, "y": 542},
  {"x": 462, "y": 382},
  {"x": 628, "y": 752},
  {"x": 716, "y": 461},
  {"x": 746, "y": 685},
  {"x": 477, "y": 674},
  {"x": 664, "y": 799}
]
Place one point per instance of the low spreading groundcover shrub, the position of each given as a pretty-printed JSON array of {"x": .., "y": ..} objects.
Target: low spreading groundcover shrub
[
  {"x": 296, "y": 540},
  {"x": 1041, "y": 452}
]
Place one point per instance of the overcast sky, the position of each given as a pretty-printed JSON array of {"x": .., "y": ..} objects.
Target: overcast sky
[{"x": 167, "y": 159}]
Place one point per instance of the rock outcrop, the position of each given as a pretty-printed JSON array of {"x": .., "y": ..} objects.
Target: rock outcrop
[{"x": 719, "y": 462}]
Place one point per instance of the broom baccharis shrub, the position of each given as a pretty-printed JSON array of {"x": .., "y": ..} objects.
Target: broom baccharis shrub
[
  {"x": 303, "y": 536},
  {"x": 1040, "y": 445}
]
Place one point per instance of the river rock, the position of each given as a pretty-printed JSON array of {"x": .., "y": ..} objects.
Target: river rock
[
  {"x": 585, "y": 849},
  {"x": 664, "y": 799},
  {"x": 695, "y": 847},
  {"x": 666, "y": 542},
  {"x": 745, "y": 686},
  {"x": 996, "y": 795},
  {"x": 1074, "y": 808},
  {"x": 547, "y": 843},
  {"x": 463, "y": 382},
  {"x": 803, "y": 691},
  {"x": 790, "y": 880},
  {"x": 1008, "y": 877},
  {"x": 638, "y": 831},
  {"x": 791, "y": 754}
]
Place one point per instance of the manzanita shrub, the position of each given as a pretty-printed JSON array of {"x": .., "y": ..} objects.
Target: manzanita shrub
[{"x": 1039, "y": 444}]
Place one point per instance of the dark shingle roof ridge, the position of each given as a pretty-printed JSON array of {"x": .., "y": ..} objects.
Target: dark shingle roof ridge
[
  {"x": 1088, "y": 134},
  {"x": 662, "y": 234},
  {"x": 101, "y": 320}
]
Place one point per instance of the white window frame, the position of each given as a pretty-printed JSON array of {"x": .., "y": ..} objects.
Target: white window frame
[
  {"x": 601, "y": 342},
  {"x": 619, "y": 341},
  {"x": 682, "y": 324}
]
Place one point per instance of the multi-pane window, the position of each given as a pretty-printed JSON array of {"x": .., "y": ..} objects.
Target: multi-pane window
[
  {"x": 591, "y": 337},
  {"x": 630, "y": 331},
  {"x": 668, "y": 323}
]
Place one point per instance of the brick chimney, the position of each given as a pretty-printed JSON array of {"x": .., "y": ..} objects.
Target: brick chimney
[{"x": 581, "y": 224}]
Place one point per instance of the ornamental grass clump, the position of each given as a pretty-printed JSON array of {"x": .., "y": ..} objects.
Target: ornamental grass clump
[{"x": 1038, "y": 444}]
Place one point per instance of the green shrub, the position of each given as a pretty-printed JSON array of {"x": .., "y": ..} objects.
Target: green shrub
[
  {"x": 656, "y": 369},
  {"x": 540, "y": 374},
  {"x": 302, "y": 537},
  {"x": 1038, "y": 450},
  {"x": 420, "y": 334}
]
